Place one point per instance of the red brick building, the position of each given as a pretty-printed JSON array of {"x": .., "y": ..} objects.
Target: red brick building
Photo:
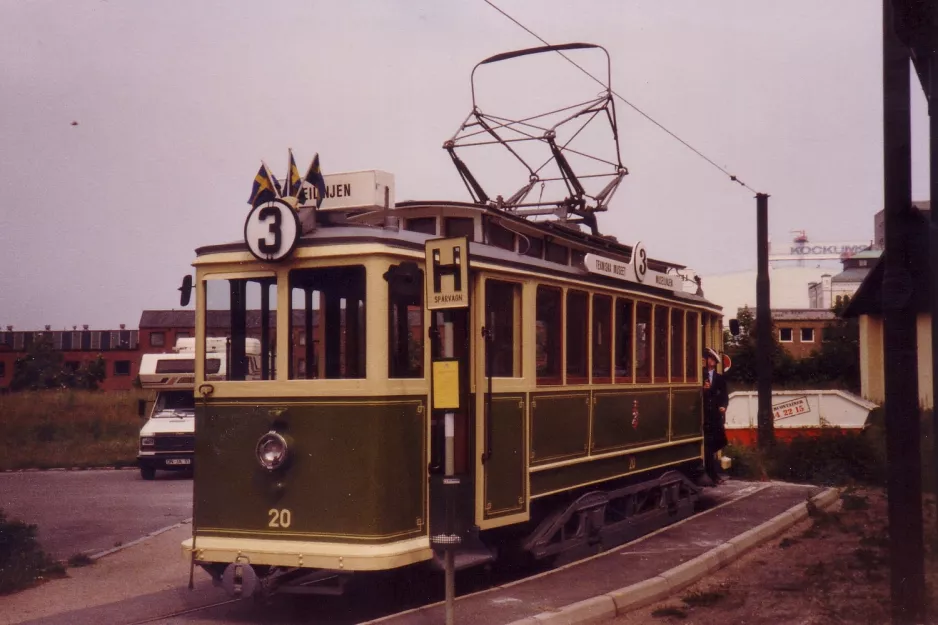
[
  {"x": 118, "y": 348},
  {"x": 800, "y": 329}
]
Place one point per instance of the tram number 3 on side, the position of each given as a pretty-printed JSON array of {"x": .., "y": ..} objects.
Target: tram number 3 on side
[{"x": 447, "y": 275}]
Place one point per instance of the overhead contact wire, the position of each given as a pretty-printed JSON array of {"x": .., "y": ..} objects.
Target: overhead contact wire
[{"x": 732, "y": 177}]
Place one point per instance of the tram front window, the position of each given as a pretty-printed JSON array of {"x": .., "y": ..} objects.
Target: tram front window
[
  {"x": 240, "y": 321},
  {"x": 327, "y": 323}
]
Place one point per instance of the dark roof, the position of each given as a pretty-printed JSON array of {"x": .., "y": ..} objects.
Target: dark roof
[
  {"x": 868, "y": 300},
  {"x": 803, "y": 314},
  {"x": 167, "y": 319},
  {"x": 854, "y": 274},
  {"x": 185, "y": 319}
]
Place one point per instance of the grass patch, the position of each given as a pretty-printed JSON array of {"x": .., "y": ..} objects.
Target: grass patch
[
  {"x": 79, "y": 560},
  {"x": 48, "y": 429},
  {"x": 669, "y": 610},
  {"x": 22, "y": 560}
]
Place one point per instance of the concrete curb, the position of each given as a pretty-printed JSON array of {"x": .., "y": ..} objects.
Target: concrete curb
[
  {"x": 137, "y": 541},
  {"x": 651, "y": 590}
]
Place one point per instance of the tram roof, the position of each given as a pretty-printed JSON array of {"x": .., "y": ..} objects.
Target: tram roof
[{"x": 343, "y": 227}]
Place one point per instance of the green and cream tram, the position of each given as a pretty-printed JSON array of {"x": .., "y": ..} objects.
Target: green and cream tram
[{"x": 580, "y": 410}]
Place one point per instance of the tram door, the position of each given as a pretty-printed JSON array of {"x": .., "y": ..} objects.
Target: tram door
[{"x": 450, "y": 329}]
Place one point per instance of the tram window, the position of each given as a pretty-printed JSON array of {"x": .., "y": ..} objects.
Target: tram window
[
  {"x": 328, "y": 304},
  {"x": 577, "y": 336},
  {"x": 556, "y": 253},
  {"x": 502, "y": 314},
  {"x": 693, "y": 354},
  {"x": 234, "y": 310},
  {"x": 405, "y": 328},
  {"x": 578, "y": 258},
  {"x": 677, "y": 345},
  {"x": 661, "y": 343},
  {"x": 499, "y": 236},
  {"x": 425, "y": 225},
  {"x": 643, "y": 342},
  {"x": 460, "y": 227},
  {"x": 624, "y": 339},
  {"x": 548, "y": 335},
  {"x": 602, "y": 339},
  {"x": 531, "y": 246}
]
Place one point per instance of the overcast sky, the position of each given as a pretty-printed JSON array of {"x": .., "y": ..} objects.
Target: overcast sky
[{"x": 177, "y": 102}]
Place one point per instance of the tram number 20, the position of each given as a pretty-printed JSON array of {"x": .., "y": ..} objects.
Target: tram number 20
[{"x": 280, "y": 518}]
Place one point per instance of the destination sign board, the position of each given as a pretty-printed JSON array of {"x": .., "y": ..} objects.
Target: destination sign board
[
  {"x": 447, "y": 274},
  {"x": 357, "y": 189},
  {"x": 636, "y": 271}
]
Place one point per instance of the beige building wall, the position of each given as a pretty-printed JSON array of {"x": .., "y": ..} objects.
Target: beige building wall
[
  {"x": 872, "y": 380},
  {"x": 872, "y": 383},
  {"x": 923, "y": 336}
]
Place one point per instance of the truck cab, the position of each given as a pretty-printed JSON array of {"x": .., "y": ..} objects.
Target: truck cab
[{"x": 167, "y": 439}]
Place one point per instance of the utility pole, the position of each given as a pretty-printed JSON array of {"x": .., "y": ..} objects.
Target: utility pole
[
  {"x": 903, "y": 448},
  {"x": 763, "y": 325}
]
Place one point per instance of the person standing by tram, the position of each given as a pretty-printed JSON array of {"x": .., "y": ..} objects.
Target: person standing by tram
[{"x": 715, "y": 400}]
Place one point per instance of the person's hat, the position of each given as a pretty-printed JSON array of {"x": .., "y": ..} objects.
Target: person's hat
[{"x": 709, "y": 353}]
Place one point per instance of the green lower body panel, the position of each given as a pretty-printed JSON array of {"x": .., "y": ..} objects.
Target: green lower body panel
[
  {"x": 629, "y": 419},
  {"x": 559, "y": 426},
  {"x": 588, "y": 472},
  {"x": 505, "y": 481},
  {"x": 356, "y": 473},
  {"x": 686, "y": 413}
]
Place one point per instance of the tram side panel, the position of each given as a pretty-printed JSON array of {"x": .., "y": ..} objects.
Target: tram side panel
[{"x": 357, "y": 471}]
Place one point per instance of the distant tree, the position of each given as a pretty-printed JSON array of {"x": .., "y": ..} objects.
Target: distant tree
[
  {"x": 42, "y": 368},
  {"x": 742, "y": 349},
  {"x": 837, "y": 362}
]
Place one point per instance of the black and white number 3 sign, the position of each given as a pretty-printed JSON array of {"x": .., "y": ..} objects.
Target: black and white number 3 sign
[{"x": 272, "y": 230}]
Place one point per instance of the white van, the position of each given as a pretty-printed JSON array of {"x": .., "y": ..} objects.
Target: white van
[{"x": 167, "y": 439}]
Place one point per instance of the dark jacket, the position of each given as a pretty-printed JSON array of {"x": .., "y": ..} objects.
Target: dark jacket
[{"x": 714, "y": 398}]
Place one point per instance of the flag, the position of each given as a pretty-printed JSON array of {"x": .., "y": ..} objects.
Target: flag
[
  {"x": 265, "y": 187},
  {"x": 314, "y": 177},
  {"x": 293, "y": 183}
]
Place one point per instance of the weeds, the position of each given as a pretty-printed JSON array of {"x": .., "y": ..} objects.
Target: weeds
[
  {"x": 669, "y": 610},
  {"x": 854, "y": 502},
  {"x": 703, "y": 599},
  {"x": 79, "y": 560},
  {"x": 46, "y": 429},
  {"x": 787, "y": 542},
  {"x": 22, "y": 560}
]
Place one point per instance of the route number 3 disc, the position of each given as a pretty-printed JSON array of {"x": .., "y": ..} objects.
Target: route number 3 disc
[{"x": 272, "y": 230}]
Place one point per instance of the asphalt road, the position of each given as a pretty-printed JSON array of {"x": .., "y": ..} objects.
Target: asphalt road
[{"x": 91, "y": 511}]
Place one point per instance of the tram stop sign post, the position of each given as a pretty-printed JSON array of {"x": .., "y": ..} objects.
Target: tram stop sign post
[
  {"x": 447, "y": 288},
  {"x": 447, "y": 273}
]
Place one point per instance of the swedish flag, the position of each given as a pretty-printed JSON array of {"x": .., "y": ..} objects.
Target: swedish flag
[
  {"x": 265, "y": 187},
  {"x": 314, "y": 177},
  {"x": 293, "y": 183}
]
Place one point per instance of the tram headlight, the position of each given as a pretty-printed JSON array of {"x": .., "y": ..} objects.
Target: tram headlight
[
  {"x": 147, "y": 441},
  {"x": 272, "y": 451}
]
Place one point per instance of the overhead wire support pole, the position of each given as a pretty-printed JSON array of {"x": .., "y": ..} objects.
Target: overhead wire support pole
[
  {"x": 903, "y": 446},
  {"x": 763, "y": 326},
  {"x": 933, "y": 239}
]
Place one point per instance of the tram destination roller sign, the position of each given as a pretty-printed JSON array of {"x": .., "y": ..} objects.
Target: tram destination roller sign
[{"x": 447, "y": 275}]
